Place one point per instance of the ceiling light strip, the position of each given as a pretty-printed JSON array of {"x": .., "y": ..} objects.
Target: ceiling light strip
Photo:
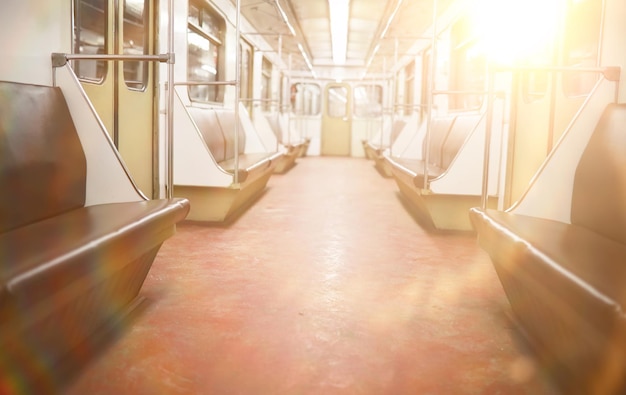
[
  {"x": 306, "y": 59},
  {"x": 285, "y": 19},
  {"x": 339, "y": 15}
]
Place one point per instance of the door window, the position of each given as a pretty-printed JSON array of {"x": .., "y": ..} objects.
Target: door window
[
  {"x": 90, "y": 32},
  {"x": 135, "y": 42},
  {"x": 204, "y": 47},
  {"x": 337, "y": 102}
]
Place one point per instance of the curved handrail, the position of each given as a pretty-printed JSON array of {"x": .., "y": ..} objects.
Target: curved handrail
[
  {"x": 61, "y": 59},
  {"x": 611, "y": 74}
]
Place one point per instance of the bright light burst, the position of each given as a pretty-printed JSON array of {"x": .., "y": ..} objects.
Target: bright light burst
[{"x": 515, "y": 31}]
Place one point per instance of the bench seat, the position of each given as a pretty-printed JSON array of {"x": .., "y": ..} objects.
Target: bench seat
[
  {"x": 67, "y": 268},
  {"x": 412, "y": 170},
  {"x": 565, "y": 284},
  {"x": 375, "y": 148},
  {"x": 433, "y": 209},
  {"x": 219, "y": 196},
  {"x": 565, "y": 280},
  {"x": 580, "y": 265},
  {"x": 217, "y": 128},
  {"x": 73, "y": 246},
  {"x": 248, "y": 163},
  {"x": 295, "y": 146}
]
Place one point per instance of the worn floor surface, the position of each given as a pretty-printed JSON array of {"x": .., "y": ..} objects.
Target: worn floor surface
[{"x": 324, "y": 286}]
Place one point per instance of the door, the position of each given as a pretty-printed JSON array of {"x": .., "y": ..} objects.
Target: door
[
  {"x": 337, "y": 120},
  {"x": 123, "y": 93}
]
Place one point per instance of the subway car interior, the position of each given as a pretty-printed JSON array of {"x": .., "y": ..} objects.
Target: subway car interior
[{"x": 312, "y": 197}]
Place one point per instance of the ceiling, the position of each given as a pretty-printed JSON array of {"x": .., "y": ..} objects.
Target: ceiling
[{"x": 400, "y": 23}]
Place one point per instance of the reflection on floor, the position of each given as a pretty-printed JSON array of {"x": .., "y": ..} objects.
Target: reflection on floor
[{"x": 324, "y": 286}]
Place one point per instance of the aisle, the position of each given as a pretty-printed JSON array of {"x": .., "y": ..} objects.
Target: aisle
[{"x": 325, "y": 286}]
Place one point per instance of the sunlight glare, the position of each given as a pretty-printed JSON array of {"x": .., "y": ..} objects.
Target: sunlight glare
[{"x": 515, "y": 31}]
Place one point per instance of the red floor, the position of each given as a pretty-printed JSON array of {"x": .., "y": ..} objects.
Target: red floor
[{"x": 325, "y": 286}]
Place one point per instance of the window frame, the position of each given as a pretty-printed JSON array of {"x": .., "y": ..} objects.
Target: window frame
[
  {"x": 582, "y": 35},
  {"x": 372, "y": 91},
  {"x": 144, "y": 65},
  {"x": 468, "y": 69},
  {"x": 301, "y": 100},
  {"x": 211, "y": 93},
  {"x": 77, "y": 14}
]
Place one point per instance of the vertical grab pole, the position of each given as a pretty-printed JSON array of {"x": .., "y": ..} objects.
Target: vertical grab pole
[
  {"x": 280, "y": 107},
  {"x": 169, "y": 137},
  {"x": 382, "y": 123},
  {"x": 370, "y": 126},
  {"x": 237, "y": 89},
  {"x": 395, "y": 93},
  {"x": 431, "y": 93},
  {"x": 290, "y": 109},
  {"x": 488, "y": 129}
]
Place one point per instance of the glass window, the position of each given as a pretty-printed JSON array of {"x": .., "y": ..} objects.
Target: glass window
[
  {"x": 368, "y": 100},
  {"x": 245, "y": 87},
  {"x": 425, "y": 92},
  {"x": 136, "y": 42},
  {"x": 534, "y": 85},
  {"x": 204, "y": 45},
  {"x": 409, "y": 88},
  {"x": 582, "y": 35},
  {"x": 266, "y": 84},
  {"x": 468, "y": 69},
  {"x": 90, "y": 32},
  {"x": 284, "y": 94},
  {"x": 337, "y": 101},
  {"x": 398, "y": 87},
  {"x": 305, "y": 99},
  {"x": 194, "y": 15}
]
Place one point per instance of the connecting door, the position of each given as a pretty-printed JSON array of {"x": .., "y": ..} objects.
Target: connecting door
[
  {"x": 337, "y": 120},
  {"x": 123, "y": 93}
]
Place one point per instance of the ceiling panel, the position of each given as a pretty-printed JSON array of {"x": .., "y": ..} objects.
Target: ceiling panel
[{"x": 369, "y": 18}]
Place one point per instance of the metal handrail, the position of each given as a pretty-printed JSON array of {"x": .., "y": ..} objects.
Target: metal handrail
[
  {"x": 202, "y": 83},
  {"x": 61, "y": 59},
  {"x": 610, "y": 73},
  {"x": 473, "y": 92},
  {"x": 259, "y": 100}
]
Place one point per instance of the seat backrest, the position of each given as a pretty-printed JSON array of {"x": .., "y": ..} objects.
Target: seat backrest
[
  {"x": 274, "y": 123},
  {"x": 439, "y": 129},
  {"x": 209, "y": 127},
  {"x": 460, "y": 130},
  {"x": 226, "y": 118},
  {"x": 42, "y": 163},
  {"x": 396, "y": 129},
  {"x": 599, "y": 192}
]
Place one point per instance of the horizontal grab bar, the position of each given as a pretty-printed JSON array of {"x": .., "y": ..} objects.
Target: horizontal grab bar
[
  {"x": 442, "y": 92},
  {"x": 611, "y": 73},
  {"x": 60, "y": 59},
  {"x": 202, "y": 83}
]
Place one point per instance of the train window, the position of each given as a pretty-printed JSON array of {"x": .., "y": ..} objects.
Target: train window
[
  {"x": 204, "y": 45},
  {"x": 284, "y": 94},
  {"x": 468, "y": 68},
  {"x": 368, "y": 100},
  {"x": 245, "y": 82},
  {"x": 337, "y": 106},
  {"x": 136, "y": 42},
  {"x": 409, "y": 87},
  {"x": 266, "y": 84},
  {"x": 425, "y": 92},
  {"x": 90, "y": 32},
  {"x": 305, "y": 99},
  {"x": 582, "y": 35},
  {"x": 534, "y": 85}
]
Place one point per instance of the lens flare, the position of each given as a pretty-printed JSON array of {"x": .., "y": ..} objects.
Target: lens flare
[{"x": 516, "y": 32}]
